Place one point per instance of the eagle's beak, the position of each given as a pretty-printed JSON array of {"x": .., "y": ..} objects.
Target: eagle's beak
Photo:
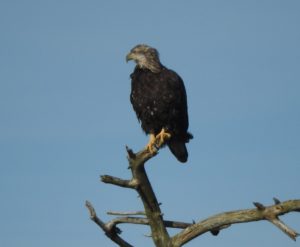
[{"x": 129, "y": 57}]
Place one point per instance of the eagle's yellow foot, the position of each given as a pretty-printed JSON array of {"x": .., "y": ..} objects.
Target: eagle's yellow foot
[
  {"x": 151, "y": 144},
  {"x": 162, "y": 137}
]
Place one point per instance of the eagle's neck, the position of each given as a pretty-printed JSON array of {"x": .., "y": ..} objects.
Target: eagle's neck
[{"x": 151, "y": 64}]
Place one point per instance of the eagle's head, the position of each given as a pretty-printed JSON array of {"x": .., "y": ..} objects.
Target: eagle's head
[{"x": 145, "y": 57}]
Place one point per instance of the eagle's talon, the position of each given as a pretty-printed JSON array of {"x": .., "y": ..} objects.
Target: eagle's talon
[
  {"x": 151, "y": 146},
  {"x": 162, "y": 137}
]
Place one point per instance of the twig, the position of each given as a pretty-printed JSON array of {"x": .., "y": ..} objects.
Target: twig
[
  {"x": 286, "y": 229},
  {"x": 126, "y": 213}
]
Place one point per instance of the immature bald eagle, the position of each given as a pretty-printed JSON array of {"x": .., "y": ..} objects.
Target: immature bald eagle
[{"x": 158, "y": 97}]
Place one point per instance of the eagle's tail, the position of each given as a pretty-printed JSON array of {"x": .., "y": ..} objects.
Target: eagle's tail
[{"x": 178, "y": 148}]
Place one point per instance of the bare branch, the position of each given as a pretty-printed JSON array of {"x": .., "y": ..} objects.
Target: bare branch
[
  {"x": 137, "y": 161},
  {"x": 119, "y": 182},
  {"x": 271, "y": 214},
  {"x": 234, "y": 217},
  {"x": 142, "y": 185},
  {"x": 176, "y": 224},
  {"x": 286, "y": 229},
  {"x": 154, "y": 216},
  {"x": 145, "y": 221},
  {"x": 111, "y": 231},
  {"x": 126, "y": 213}
]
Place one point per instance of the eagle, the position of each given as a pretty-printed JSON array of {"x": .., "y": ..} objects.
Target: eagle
[{"x": 158, "y": 97}]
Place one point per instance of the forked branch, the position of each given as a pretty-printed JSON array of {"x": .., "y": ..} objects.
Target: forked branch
[
  {"x": 218, "y": 221},
  {"x": 154, "y": 217},
  {"x": 111, "y": 231}
]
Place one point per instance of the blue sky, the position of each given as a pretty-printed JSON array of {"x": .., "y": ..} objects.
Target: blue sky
[{"x": 66, "y": 116}]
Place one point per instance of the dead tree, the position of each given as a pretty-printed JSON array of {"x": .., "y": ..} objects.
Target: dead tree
[{"x": 153, "y": 216}]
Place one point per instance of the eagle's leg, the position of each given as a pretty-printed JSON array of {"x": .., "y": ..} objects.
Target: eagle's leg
[
  {"x": 162, "y": 136},
  {"x": 151, "y": 144}
]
